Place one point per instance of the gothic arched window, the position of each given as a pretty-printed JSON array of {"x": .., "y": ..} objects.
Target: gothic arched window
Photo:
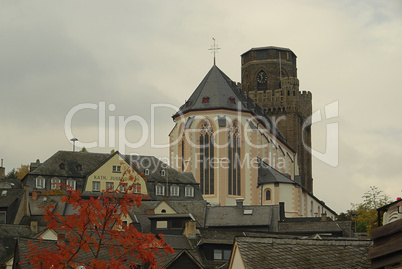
[
  {"x": 268, "y": 195},
  {"x": 234, "y": 187},
  {"x": 181, "y": 147},
  {"x": 206, "y": 158}
]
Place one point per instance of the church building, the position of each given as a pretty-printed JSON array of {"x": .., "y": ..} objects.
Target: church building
[{"x": 226, "y": 136}]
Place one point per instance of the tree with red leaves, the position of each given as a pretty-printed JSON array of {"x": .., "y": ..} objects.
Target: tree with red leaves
[{"x": 95, "y": 235}]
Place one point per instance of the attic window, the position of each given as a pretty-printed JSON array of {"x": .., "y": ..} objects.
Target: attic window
[
  {"x": 163, "y": 173},
  {"x": 79, "y": 167},
  {"x": 4, "y": 193},
  {"x": 62, "y": 166},
  {"x": 146, "y": 172},
  {"x": 205, "y": 100},
  {"x": 232, "y": 100}
]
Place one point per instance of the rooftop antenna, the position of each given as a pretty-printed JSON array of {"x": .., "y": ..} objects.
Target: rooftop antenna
[
  {"x": 73, "y": 140},
  {"x": 214, "y": 49}
]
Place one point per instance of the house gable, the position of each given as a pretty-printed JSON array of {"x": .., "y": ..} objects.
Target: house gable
[
  {"x": 163, "y": 207},
  {"x": 114, "y": 169}
]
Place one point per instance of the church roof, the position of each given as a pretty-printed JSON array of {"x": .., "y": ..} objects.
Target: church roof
[
  {"x": 218, "y": 91},
  {"x": 267, "y": 174},
  {"x": 268, "y": 48}
]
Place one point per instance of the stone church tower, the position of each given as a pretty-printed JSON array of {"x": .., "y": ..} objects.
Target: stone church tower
[{"x": 269, "y": 77}]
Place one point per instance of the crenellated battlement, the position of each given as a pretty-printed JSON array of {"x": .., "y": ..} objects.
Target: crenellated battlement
[{"x": 306, "y": 95}]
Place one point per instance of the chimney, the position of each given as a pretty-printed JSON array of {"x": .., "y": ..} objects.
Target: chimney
[
  {"x": 61, "y": 239},
  {"x": 281, "y": 211},
  {"x": 2, "y": 170},
  {"x": 239, "y": 202},
  {"x": 34, "y": 195},
  {"x": 323, "y": 216},
  {"x": 34, "y": 227},
  {"x": 190, "y": 229}
]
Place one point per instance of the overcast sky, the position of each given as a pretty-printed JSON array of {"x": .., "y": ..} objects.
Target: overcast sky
[{"x": 129, "y": 55}]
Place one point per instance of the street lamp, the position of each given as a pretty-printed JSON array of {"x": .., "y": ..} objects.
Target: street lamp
[
  {"x": 355, "y": 215},
  {"x": 73, "y": 140}
]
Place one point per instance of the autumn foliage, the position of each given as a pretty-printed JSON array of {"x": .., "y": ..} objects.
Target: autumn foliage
[{"x": 95, "y": 236}]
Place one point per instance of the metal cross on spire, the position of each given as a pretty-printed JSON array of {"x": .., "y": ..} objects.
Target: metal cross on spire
[{"x": 214, "y": 49}]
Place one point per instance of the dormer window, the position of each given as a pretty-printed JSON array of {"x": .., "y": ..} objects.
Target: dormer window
[
  {"x": 163, "y": 173},
  {"x": 205, "y": 99},
  {"x": 160, "y": 189},
  {"x": 62, "y": 166},
  {"x": 4, "y": 193},
  {"x": 189, "y": 191},
  {"x": 232, "y": 100}
]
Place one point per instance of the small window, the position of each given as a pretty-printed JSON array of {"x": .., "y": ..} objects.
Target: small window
[
  {"x": 160, "y": 189},
  {"x": 62, "y": 166},
  {"x": 222, "y": 254},
  {"x": 55, "y": 183},
  {"x": 268, "y": 195},
  {"x": 163, "y": 173},
  {"x": 189, "y": 191},
  {"x": 79, "y": 167},
  {"x": 137, "y": 188},
  {"x": 174, "y": 190},
  {"x": 110, "y": 186},
  {"x": 71, "y": 183},
  {"x": 116, "y": 169},
  {"x": 187, "y": 103},
  {"x": 4, "y": 193},
  {"x": 161, "y": 224},
  {"x": 232, "y": 100},
  {"x": 177, "y": 224},
  {"x": 40, "y": 182},
  {"x": 163, "y": 211},
  {"x": 146, "y": 172},
  {"x": 218, "y": 254},
  {"x": 95, "y": 186},
  {"x": 205, "y": 99},
  {"x": 226, "y": 254}
]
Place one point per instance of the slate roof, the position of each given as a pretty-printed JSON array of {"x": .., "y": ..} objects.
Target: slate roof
[
  {"x": 8, "y": 236},
  {"x": 219, "y": 89},
  {"x": 267, "y": 174},
  {"x": 177, "y": 241},
  {"x": 233, "y": 216},
  {"x": 197, "y": 208},
  {"x": 37, "y": 207},
  {"x": 166, "y": 260},
  {"x": 88, "y": 161},
  {"x": 10, "y": 195},
  {"x": 260, "y": 252},
  {"x": 310, "y": 227},
  {"x": 10, "y": 183}
]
